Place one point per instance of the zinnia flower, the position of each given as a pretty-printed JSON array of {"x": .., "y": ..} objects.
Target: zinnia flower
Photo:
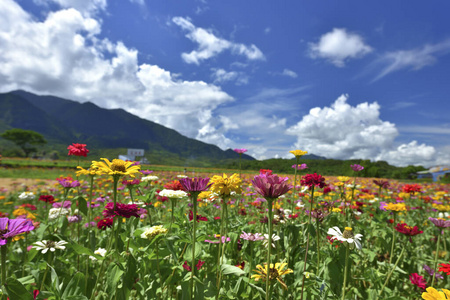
[
  {"x": 49, "y": 245},
  {"x": 431, "y": 272},
  {"x": 198, "y": 265},
  {"x": 252, "y": 236},
  {"x": 78, "y": 150},
  {"x": 311, "y": 180},
  {"x": 300, "y": 167},
  {"x": 173, "y": 194},
  {"x": 433, "y": 294},
  {"x": 411, "y": 188},
  {"x": 395, "y": 207},
  {"x": 27, "y": 196},
  {"x": 123, "y": 210},
  {"x": 199, "y": 217},
  {"x": 418, "y": 280},
  {"x": 275, "y": 272},
  {"x": 382, "y": 183},
  {"x": 196, "y": 184},
  {"x": 224, "y": 185},
  {"x": 117, "y": 167},
  {"x": 442, "y": 223},
  {"x": 105, "y": 223},
  {"x": 408, "y": 230},
  {"x": 240, "y": 151},
  {"x": 298, "y": 153},
  {"x": 444, "y": 268},
  {"x": 9, "y": 228},
  {"x": 356, "y": 167},
  {"x": 347, "y": 236},
  {"x": 274, "y": 239},
  {"x": 153, "y": 232},
  {"x": 47, "y": 198},
  {"x": 271, "y": 186}
]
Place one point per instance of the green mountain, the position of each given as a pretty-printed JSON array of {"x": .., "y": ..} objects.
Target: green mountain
[{"x": 107, "y": 132}]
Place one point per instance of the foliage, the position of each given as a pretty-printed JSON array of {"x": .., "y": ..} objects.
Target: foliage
[{"x": 27, "y": 140}]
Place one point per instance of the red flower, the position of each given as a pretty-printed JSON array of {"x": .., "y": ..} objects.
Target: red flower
[
  {"x": 408, "y": 230},
  {"x": 312, "y": 180},
  {"x": 78, "y": 150},
  {"x": 174, "y": 185},
  {"x": 418, "y": 280},
  {"x": 123, "y": 210},
  {"x": 47, "y": 198},
  {"x": 104, "y": 223},
  {"x": 265, "y": 172},
  {"x": 445, "y": 268},
  {"x": 382, "y": 183},
  {"x": 241, "y": 265},
  {"x": 411, "y": 188},
  {"x": 30, "y": 206},
  {"x": 199, "y": 217},
  {"x": 198, "y": 265}
]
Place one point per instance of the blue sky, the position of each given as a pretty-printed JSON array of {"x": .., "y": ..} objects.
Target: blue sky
[{"x": 340, "y": 79}]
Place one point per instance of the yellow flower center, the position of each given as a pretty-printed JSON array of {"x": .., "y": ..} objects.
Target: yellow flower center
[
  {"x": 118, "y": 165},
  {"x": 347, "y": 233},
  {"x": 348, "y": 228}
]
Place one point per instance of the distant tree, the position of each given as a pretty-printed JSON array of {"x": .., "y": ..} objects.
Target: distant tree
[{"x": 27, "y": 140}]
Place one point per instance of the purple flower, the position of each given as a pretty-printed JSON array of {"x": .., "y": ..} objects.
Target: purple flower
[
  {"x": 240, "y": 151},
  {"x": 12, "y": 227},
  {"x": 92, "y": 224},
  {"x": 220, "y": 240},
  {"x": 356, "y": 167},
  {"x": 146, "y": 172},
  {"x": 69, "y": 183},
  {"x": 440, "y": 222},
  {"x": 271, "y": 186},
  {"x": 430, "y": 272},
  {"x": 252, "y": 236},
  {"x": 196, "y": 184},
  {"x": 383, "y": 205},
  {"x": 67, "y": 204},
  {"x": 300, "y": 167},
  {"x": 74, "y": 219}
]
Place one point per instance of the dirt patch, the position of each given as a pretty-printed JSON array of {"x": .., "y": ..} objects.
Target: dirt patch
[{"x": 19, "y": 184}]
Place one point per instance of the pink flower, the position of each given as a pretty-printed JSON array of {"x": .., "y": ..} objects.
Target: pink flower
[
  {"x": 311, "y": 180},
  {"x": 78, "y": 150},
  {"x": 271, "y": 186},
  {"x": 356, "y": 167},
  {"x": 418, "y": 280},
  {"x": 196, "y": 184},
  {"x": 240, "y": 151},
  {"x": 300, "y": 167}
]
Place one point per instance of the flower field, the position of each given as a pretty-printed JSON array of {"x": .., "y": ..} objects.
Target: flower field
[{"x": 116, "y": 231}]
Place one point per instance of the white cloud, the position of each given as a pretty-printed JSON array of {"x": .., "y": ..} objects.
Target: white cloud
[
  {"x": 414, "y": 59},
  {"x": 63, "y": 56},
  {"x": 86, "y": 7},
  {"x": 209, "y": 45},
  {"x": 338, "y": 46},
  {"x": 221, "y": 76},
  {"x": 289, "y": 73},
  {"x": 343, "y": 131},
  {"x": 267, "y": 30}
]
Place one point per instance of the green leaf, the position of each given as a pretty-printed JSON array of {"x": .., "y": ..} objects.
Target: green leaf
[
  {"x": 188, "y": 253},
  {"x": 26, "y": 280},
  {"x": 113, "y": 277},
  {"x": 76, "y": 286},
  {"x": 16, "y": 290},
  {"x": 82, "y": 205},
  {"x": 229, "y": 269}
]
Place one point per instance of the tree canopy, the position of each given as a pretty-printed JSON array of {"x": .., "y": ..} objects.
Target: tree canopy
[{"x": 27, "y": 140}]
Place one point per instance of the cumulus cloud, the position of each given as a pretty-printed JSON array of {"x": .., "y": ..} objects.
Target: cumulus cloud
[
  {"x": 289, "y": 73},
  {"x": 84, "y": 6},
  {"x": 342, "y": 131},
  {"x": 221, "y": 76},
  {"x": 209, "y": 45},
  {"x": 414, "y": 59},
  {"x": 338, "y": 46},
  {"x": 64, "y": 56}
]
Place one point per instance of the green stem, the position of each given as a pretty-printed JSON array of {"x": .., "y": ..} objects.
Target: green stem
[
  {"x": 46, "y": 271},
  {"x": 116, "y": 231},
  {"x": 307, "y": 239},
  {"x": 297, "y": 158},
  {"x": 3, "y": 261},
  {"x": 318, "y": 244},
  {"x": 194, "y": 228},
  {"x": 347, "y": 253},
  {"x": 436, "y": 258},
  {"x": 157, "y": 266},
  {"x": 391, "y": 254},
  {"x": 392, "y": 270},
  {"x": 269, "y": 248}
]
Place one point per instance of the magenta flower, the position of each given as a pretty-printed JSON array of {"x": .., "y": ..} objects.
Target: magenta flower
[
  {"x": 418, "y": 280},
  {"x": 196, "y": 184},
  {"x": 122, "y": 210},
  {"x": 240, "y": 151},
  {"x": 440, "y": 222},
  {"x": 67, "y": 204},
  {"x": 220, "y": 240},
  {"x": 252, "y": 236},
  {"x": 67, "y": 183},
  {"x": 300, "y": 167},
  {"x": 12, "y": 227},
  {"x": 356, "y": 167},
  {"x": 271, "y": 186},
  {"x": 311, "y": 180}
]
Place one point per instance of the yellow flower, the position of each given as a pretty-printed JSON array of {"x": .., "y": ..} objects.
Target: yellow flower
[
  {"x": 433, "y": 294},
  {"x": 20, "y": 212},
  {"x": 226, "y": 185},
  {"x": 117, "y": 167},
  {"x": 395, "y": 207},
  {"x": 343, "y": 178},
  {"x": 337, "y": 210},
  {"x": 298, "y": 153},
  {"x": 93, "y": 170},
  {"x": 275, "y": 273},
  {"x": 154, "y": 231}
]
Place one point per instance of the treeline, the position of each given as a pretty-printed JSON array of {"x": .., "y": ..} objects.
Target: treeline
[{"x": 330, "y": 167}]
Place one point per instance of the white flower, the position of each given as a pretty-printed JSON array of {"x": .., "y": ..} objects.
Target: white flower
[
  {"x": 347, "y": 236},
  {"x": 149, "y": 178},
  {"x": 55, "y": 212},
  {"x": 274, "y": 239},
  {"x": 99, "y": 251},
  {"x": 49, "y": 245},
  {"x": 173, "y": 194},
  {"x": 27, "y": 196},
  {"x": 182, "y": 176}
]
